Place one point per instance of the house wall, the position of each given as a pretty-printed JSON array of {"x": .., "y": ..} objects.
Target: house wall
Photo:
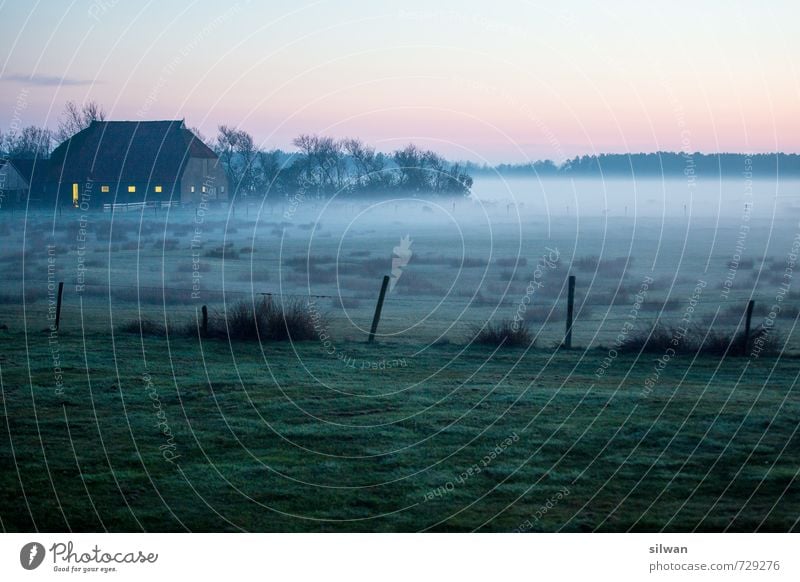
[
  {"x": 11, "y": 180},
  {"x": 91, "y": 192},
  {"x": 203, "y": 173},
  {"x": 13, "y": 186}
]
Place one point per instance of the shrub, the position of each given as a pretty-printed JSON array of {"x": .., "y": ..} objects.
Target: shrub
[
  {"x": 267, "y": 320},
  {"x": 718, "y": 343},
  {"x": 222, "y": 252},
  {"x": 168, "y": 244},
  {"x": 699, "y": 341},
  {"x": 657, "y": 340},
  {"x": 303, "y": 262},
  {"x": 507, "y": 333},
  {"x": 603, "y": 267}
]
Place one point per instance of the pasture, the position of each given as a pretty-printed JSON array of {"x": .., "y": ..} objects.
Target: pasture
[{"x": 127, "y": 419}]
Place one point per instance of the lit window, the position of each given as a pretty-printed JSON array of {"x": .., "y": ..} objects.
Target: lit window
[
  {"x": 203, "y": 189},
  {"x": 75, "y": 195},
  {"x": 131, "y": 189},
  {"x": 222, "y": 189},
  {"x": 158, "y": 189},
  {"x": 104, "y": 188},
  {"x": 191, "y": 189}
]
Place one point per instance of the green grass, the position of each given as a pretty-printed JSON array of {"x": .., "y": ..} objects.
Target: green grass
[
  {"x": 288, "y": 437},
  {"x": 285, "y": 438}
]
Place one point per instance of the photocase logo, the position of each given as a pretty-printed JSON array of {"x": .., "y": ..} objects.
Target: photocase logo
[
  {"x": 31, "y": 555},
  {"x": 401, "y": 254}
]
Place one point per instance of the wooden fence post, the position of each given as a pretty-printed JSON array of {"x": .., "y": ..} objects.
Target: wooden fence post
[
  {"x": 58, "y": 303},
  {"x": 204, "y": 326},
  {"x": 748, "y": 316},
  {"x": 570, "y": 311},
  {"x": 378, "y": 309}
]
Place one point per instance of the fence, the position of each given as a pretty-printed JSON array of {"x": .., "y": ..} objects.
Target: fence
[
  {"x": 574, "y": 315},
  {"x": 138, "y": 206}
]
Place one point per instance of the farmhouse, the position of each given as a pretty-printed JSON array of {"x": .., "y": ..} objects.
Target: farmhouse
[
  {"x": 135, "y": 161},
  {"x": 22, "y": 179}
]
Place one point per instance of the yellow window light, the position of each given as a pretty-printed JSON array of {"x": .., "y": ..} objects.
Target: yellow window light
[
  {"x": 131, "y": 189},
  {"x": 158, "y": 189},
  {"x": 75, "y": 194},
  {"x": 105, "y": 189}
]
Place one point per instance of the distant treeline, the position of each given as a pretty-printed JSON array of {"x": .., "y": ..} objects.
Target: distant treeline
[
  {"x": 656, "y": 164},
  {"x": 324, "y": 167}
]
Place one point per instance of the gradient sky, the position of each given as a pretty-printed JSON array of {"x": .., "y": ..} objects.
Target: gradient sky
[{"x": 487, "y": 81}]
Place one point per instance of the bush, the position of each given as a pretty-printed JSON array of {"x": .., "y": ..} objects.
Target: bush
[
  {"x": 704, "y": 342},
  {"x": 268, "y": 320},
  {"x": 222, "y": 253},
  {"x": 507, "y": 333},
  {"x": 604, "y": 267},
  {"x": 303, "y": 262}
]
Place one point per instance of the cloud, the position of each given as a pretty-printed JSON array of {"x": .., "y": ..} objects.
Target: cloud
[{"x": 47, "y": 80}]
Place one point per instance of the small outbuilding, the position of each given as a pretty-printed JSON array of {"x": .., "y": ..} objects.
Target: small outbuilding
[{"x": 22, "y": 180}]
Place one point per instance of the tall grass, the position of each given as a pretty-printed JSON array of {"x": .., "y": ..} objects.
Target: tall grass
[
  {"x": 265, "y": 320},
  {"x": 696, "y": 340},
  {"x": 506, "y": 333}
]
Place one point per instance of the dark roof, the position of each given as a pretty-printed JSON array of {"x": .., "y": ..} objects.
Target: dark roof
[
  {"x": 26, "y": 167},
  {"x": 130, "y": 151}
]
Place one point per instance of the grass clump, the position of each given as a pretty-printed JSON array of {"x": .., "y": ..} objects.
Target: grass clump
[
  {"x": 144, "y": 327},
  {"x": 267, "y": 320},
  {"x": 506, "y": 333},
  {"x": 662, "y": 339}
]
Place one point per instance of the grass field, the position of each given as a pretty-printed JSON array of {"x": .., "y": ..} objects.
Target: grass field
[{"x": 109, "y": 429}]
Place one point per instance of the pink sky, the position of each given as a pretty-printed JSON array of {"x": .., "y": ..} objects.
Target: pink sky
[{"x": 497, "y": 82}]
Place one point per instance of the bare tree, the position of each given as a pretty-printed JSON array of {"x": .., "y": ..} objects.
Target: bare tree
[
  {"x": 370, "y": 167},
  {"x": 238, "y": 154},
  {"x": 76, "y": 118},
  {"x": 269, "y": 174},
  {"x": 323, "y": 165},
  {"x": 31, "y": 142},
  {"x": 424, "y": 170}
]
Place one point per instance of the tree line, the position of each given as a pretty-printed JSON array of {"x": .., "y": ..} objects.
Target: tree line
[
  {"x": 321, "y": 166},
  {"x": 655, "y": 164},
  {"x": 324, "y": 166},
  {"x": 38, "y": 142}
]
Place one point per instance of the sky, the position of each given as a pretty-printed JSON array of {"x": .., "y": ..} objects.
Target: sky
[{"x": 509, "y": 81}]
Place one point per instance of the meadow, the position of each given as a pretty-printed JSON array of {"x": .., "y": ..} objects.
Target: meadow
[{"x": 128, "y": 418}]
